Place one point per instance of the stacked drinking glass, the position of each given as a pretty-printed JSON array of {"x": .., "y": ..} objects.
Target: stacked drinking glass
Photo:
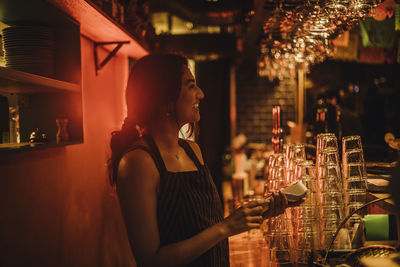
[
  {"x": 278, "y": 231},
  {"x": 354, "y": 179},
  {"x": 312, "y": 225},
  {"x": 305, "y": 216},
  {"x": 330, "y": 188}
]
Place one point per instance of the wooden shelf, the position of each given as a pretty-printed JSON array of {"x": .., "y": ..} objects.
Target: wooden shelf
[
  {"x": 26, "y": 146},
  {"x": 15, "y": 81},
  {"x": 99, "y": 27},
  {"x": 44, "y": 99}
]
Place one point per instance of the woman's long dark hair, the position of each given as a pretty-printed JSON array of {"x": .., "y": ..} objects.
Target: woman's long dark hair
[{"x": 155, "y": 81}]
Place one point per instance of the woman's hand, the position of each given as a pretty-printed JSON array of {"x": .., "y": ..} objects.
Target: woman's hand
[
  {"x": 277, "y": 205},
  {"x": 252, "y": 214},
  {"x": 245, "y": 218}
]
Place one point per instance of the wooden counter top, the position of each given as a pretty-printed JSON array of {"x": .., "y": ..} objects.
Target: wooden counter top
[{"x": 248, "y": 249}]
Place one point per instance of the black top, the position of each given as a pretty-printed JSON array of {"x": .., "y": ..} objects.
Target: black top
[{"x": 187, "y": 203}]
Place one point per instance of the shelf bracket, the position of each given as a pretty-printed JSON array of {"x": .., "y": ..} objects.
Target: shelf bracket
[{"x": 100, "y": 65}]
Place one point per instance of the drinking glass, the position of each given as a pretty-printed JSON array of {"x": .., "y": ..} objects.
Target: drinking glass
[
  {"x": 294, "y": 153},
  {"x": 329, "y": 179},
  {"x": 238, "y": 188},
  {"x": 326, "y": 238},
  {"x": 276, "y": 173},
  {"x": 351, "y": 142},
  {"x": 281, "y": 249},
  {"x": 326, "y": 140},
  {"x": 304, "y": 243},
  {"x": 299, "y": 152},
  {"x": 327, "y": 159},
  {"x": 354, "y": 175},
  {"x": 305, "y": 172},
  {"x": 329, "y": 155},
  {"x": 331, "y": 199},
  {"x": 305, "y": 224}
]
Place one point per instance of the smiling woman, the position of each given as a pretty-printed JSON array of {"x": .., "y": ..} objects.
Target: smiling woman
[
  {"x": 171, "y": 208},
  {"x": 188, "y": 100}
]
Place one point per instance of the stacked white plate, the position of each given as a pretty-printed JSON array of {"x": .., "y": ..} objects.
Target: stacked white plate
[{"x": 29, "y": 49}]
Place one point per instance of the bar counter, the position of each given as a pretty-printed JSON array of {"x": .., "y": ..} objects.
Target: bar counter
[{"x": 249, "y": 249}]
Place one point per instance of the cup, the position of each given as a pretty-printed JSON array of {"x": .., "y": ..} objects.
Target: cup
[
  {"x": 328, "y": 156},
  {"x": 238, "y": 188},
  {"x": 351, "y": 142},
  {"x": 281, "y": 249},
  {"x": 294, "y": 153},
  {"x": 326, "y": 140},
  {"x": 354, "y": 176},
  {"x": 330, "y": 199},
  {"x": 304, "y": 243},
  {"x": 352, "y": 157}
]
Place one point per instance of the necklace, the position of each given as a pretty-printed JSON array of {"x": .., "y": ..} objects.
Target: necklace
[{"x": 176, "y": 155}]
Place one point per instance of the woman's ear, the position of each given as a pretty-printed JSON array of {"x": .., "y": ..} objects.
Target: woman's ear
[
  {"x": 167, "y": 110},
  {"x": 171, "y": 108}
]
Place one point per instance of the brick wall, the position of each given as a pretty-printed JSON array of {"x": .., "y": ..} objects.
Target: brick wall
[{"x": 255, "y": 99}]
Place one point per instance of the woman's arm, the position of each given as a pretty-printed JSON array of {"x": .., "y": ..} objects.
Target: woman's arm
[{"x": 137, "y": 190}]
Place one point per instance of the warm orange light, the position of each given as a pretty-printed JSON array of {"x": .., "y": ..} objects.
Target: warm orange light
[{"x": 226, "y": 14}]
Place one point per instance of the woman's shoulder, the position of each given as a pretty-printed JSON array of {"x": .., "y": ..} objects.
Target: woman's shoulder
[
  {"x": 137, "y": 162},
  {"x": 140, "y": 142},
  {"x": 136, "y": 153}
]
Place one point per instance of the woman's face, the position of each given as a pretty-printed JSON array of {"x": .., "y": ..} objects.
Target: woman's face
[{"x": 187, "y": 105}]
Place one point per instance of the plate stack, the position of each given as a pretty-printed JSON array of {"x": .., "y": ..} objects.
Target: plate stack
[{"x": 29, "y": 49}]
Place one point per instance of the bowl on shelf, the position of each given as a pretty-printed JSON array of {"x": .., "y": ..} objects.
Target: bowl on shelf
[{"x": 373, "y": 251}]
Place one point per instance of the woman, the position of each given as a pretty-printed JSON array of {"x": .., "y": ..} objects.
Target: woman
[{"x": 170, "y": 205}]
